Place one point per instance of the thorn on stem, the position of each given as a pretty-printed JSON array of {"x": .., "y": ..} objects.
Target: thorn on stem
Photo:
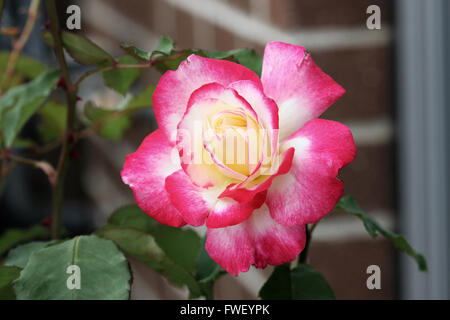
[
  {"x": 72, "y": 137},
  {"x": 47, "y": 222},
  {"x": 61, "y": 83},
  {"x": 74, "y": 154}
]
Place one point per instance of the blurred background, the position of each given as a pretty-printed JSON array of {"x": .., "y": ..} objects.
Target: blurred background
[{"x": 397, "y": 106}]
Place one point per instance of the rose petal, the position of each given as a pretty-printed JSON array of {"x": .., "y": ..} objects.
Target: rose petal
[
  {"x": 311, "y": 190},
  {"x": 300, "y": 88},
  {"x": 171, "y": 96},
  {"x": 145, "y": 171},
  {"x": 197, "y": 204},
  {"x": 260, "y": 241}
]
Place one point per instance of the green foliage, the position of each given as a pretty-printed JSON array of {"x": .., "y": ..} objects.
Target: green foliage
[
  {"x": 53, "y": 116},
  {"x": 13, "y": 237},
  {"x": 104, "y": 271},
  {"x": 143, "y": 100},
  {"x": 26, "y": 67},
  {"x": 20, "y": 143},
  {"x": 18, "y": 257},
  {"x": 165, "y": 45},
  {"x": 349, "y": 204},
  {"x": 136, "y": 52},
  {"x": 207, "y": 269},
  {"x": 7, "y": 276},
  {"x": 300, "y": 283},
  {"x": 20, "y": 103},
  {"x": 246, "y": 57},
  {"x": 80, "y": 48},
  {"x": 166, "y": 58},
  {"x": 110, "y": 124},
  {"x": 173, "y": 252},
  {"x": 122, "y": 79}
]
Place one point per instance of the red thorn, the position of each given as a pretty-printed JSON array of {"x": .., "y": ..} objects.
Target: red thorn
[
  {"x": 61, "y": 83},
  {"x": 47, "y": 25},
  {"x": 79, "y": 98},
  {"x": 74, "y": 154},
  {"x": 47, "y": 222},
  {"x": 72, "y": 137},
  {"x": 115, "y": 64}
]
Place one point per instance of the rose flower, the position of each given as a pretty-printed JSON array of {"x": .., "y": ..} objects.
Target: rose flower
[{"x": 245, "y": 156}]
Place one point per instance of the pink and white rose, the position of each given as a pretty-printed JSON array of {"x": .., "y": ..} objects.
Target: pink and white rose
[{"x": 246, "y": 156}]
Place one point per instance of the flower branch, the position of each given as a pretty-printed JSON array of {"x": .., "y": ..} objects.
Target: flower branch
[
  {"x": 20, "y": 43},
  {"x": 58, "y": 188}
]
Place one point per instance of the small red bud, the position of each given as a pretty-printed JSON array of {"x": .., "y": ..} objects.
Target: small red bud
[
  {"x": 72, "y": 137},
  {"x": 47, "y": 222},
  {"x": 61, "y": 83},
  {"x": 74, "y": 154}
]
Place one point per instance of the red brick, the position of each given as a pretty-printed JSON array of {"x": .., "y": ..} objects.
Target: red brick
[
  {"x": 366, "y": 75},
  {"x": 344, "y": 265},
  {"x": 321, "y": 13},
  {"x": 370, "y": 177}
]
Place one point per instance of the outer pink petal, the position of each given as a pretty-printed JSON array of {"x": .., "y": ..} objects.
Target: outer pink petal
[
  {"x": 299, "y": 87},
  {"x": 228, "y": 212},
  {"x": 145, "y": 171},
  {"x": 171, "y": 96},
  {"x": 259, "y": 241},
  {"x": 310, "y": 190},
  {"x": 232, "y": 248},
  {"x": 188, "y": 198},
  {"x": 197, "y": 204}
]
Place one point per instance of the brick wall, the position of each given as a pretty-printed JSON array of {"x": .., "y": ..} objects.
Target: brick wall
[{"x": 357, "y": 58}]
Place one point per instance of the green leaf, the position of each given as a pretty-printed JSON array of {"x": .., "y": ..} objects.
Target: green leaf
[
  {"x": 136, "y": 52},
  {"x": 80, "y": 48},
  {"x": 207, "y": 269},
  {"x": 110, "y": 124},
  {"x": 300, "y": 283},
  {"x": 53, "y": 116},
  {"x": 13, "y": 237},
  {"x": 165, "y": 45},
  {"x": 172, "y": 62},
  {"x": 143, "y": 246},
  {"x": 168, "y": 238},
  {"x": 171, "y": 251},
  {"x": 25, "y": 66},
  {"x": 18, "y": 257},
  {"x": 246, "y": 57},
  {"x": 278, "y": 286},
  {"x": 143, "y": 100},
  {"x": 122, "y": 79},
  {"x": 7, "y": 277},
  {"x": 21, "y": 143},
  {"x": 309, "y": 284},
  {"x": 20, "y": 103},
  {"x": 104, "y": 272},
  {"x": 349, "y": 204},
  {"x": 132, "y": 216}
]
